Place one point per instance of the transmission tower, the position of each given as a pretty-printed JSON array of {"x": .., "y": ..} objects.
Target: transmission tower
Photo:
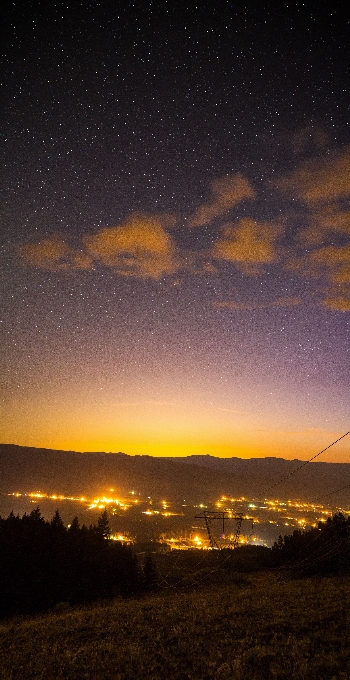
[{"x": 222, "y": 515}]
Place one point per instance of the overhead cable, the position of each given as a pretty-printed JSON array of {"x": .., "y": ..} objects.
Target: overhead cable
[
  {"x": 333, "y": 492},
  {"x": 290, "y": 474}
]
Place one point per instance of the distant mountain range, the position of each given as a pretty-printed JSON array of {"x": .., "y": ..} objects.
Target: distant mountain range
[{"x": 194, "y": 478}]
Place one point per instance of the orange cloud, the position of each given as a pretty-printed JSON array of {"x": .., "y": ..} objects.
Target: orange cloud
[
  {"x": 331, "y": 220},
  {"x": 140, "y": 247},
  {"x": 227, "y": 192},
  {"x": 330, "y": 264},
  {"x": 248, "y": 243},
  {"x": 54, "y": 254},
  {"x": 288, "y": 301},
  {"x": 339, "y": 304},
  {"x": 318, "y": 180},
  {"x": 334, "y": 261}
]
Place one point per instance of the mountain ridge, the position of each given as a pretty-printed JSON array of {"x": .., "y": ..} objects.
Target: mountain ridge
[{"x": 199, "y": 477}]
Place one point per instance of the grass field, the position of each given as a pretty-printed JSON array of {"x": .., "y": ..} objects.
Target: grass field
[{"x": 258, "y": 627}]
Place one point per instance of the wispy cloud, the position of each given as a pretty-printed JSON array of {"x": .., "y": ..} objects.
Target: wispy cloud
[
  {"x": 248, "y": 244},
  {"x": 338, "y": 304},
  {"x": 331, "y": 220},
  {"x": 323, "y": 184},
  {"x": 54, "y": 254},
  {"x": 226, "y": 193},
  {"x": 320, "y": 180},
  {"x": 330, "y": 263},
  {"x": 334, "y": 261},
  {"x": 145, "y": 245},
  {"x": 139, "y": 247}
]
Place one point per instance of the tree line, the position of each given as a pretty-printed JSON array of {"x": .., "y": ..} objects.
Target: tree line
[
  {"x": 43, "y": 563},
  {"x": 324, "y": 549}
]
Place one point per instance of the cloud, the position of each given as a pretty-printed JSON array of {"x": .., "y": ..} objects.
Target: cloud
[
  {"x": 248, "y": 244},
  {"x": 209, "y": 268},
  {"x": 139, "y": 247},
  {"x": 232, "y": 304},
  {"x": 332, "y": 261},
  {"x": 226, "y": 193},
  {"x": 330, "y": 264},
  {"x": 325, "y": 223},
  {"x": 54, "y": 254},
  {"x": 339, "y": 304},
  {"x": 287, "y": 301},
  {"x": 279, "y": 302},
  {"x": 320, "y": 180},
  {"x": 309, "y": 138}
]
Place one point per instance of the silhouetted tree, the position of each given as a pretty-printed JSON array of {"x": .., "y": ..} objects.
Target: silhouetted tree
[
  {"x": 57, "y": 523},
  {"x": 323, "y": 549},
  {"x": 74, "y": 527},
  {"x": 42, "y": 563},
  {"x": 103, "y": 527}
]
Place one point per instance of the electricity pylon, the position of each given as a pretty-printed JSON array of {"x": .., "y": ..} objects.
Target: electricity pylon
[{"x": 210, "y": 515}]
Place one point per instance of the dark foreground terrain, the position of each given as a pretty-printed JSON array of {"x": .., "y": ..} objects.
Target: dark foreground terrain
[{"x": 261, "y": 626}]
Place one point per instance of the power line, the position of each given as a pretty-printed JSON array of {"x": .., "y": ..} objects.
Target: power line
[
  {"x": 333, "y": 492},
  {"x": 290, "y": 474}
]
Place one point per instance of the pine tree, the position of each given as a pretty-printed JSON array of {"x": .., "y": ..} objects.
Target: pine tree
[
  {"x": 75, "y": 526},
  {"x": 57, "y": 524},
  {"x": 103, "y": 526},
  {"x": 35, "y": 515}
]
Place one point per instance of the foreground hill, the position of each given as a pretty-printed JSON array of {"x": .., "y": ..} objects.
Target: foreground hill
[
  {"x": 192, "y": 477},
  {"x": 261, "y": 628}
]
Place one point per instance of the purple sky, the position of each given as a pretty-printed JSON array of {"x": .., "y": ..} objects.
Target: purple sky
[{"x": 176, "y": 228}]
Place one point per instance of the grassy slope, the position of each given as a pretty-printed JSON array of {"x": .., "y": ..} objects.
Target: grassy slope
[{"x": 261, "y": 627}]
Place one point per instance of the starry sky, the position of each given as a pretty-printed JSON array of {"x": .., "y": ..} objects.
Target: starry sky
[{"x": 175, "y": 237}]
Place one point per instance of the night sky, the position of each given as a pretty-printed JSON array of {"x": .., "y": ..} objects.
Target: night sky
[{"x": 176, "y": 228}]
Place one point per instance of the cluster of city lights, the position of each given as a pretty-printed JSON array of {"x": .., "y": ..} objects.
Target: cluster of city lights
[{"x": 281, "y": 513}]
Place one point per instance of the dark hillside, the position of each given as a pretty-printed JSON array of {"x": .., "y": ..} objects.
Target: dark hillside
[
  {"x": 196, "y": 477},
  {"x": 313, "y": 480},
  {"x": 23, "y": 468},
  {"x": 257, "y": 628}
]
